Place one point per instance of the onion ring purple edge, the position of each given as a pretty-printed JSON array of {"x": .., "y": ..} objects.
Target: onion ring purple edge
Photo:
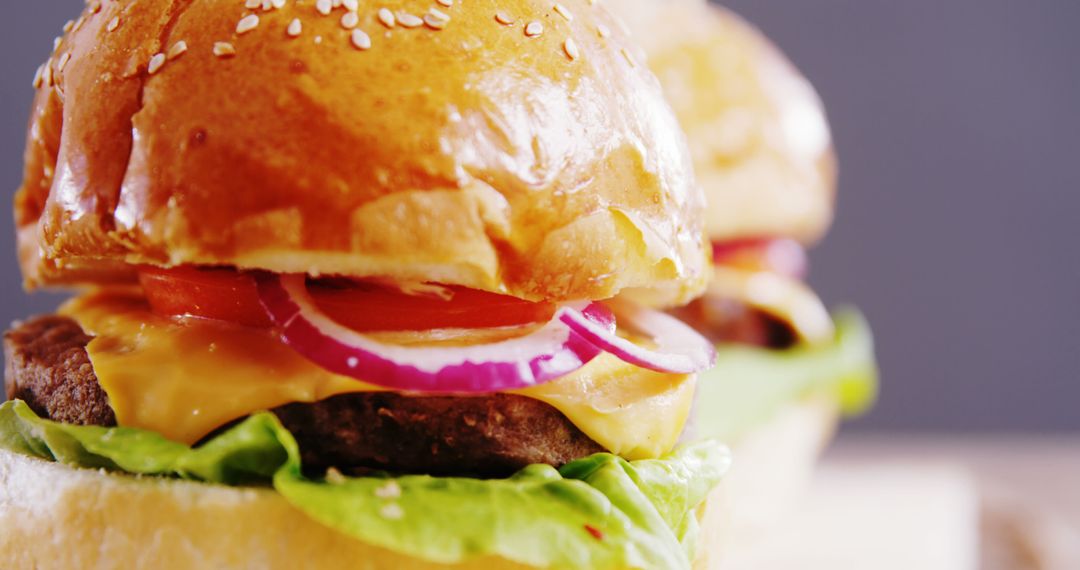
[
  {"x": 543, "y": 355},
  {"x": 680, "y": 350}
]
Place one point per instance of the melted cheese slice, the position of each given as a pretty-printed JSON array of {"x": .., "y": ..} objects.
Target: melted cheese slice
[
  {"x": 785, "y": 298},
  {"x": 184, "y": 378}
]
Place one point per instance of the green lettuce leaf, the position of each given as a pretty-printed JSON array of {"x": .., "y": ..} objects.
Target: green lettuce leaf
[
  {"x": 748, "y": 384},
  {"x": 598, "y": 512},
  {"x": 250, "y": 453}
]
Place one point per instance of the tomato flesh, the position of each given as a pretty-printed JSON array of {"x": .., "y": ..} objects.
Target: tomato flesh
[
  {"x": 220, "y": 294},
  {"x": 783, "y": 256},
  {"x": 228, "y": 295}
]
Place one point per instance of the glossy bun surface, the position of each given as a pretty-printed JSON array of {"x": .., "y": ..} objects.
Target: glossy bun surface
[{"x": 509, "y": 146}]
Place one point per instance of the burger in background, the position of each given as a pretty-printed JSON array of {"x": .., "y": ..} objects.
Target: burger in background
[
  {"x": 361, "y": 287},
  {"x": 763, "y": 154}
]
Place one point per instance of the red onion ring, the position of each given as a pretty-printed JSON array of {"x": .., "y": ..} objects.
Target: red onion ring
[
  {"x": 550, "y": 352},
  {"x": 679, "y": 348}
]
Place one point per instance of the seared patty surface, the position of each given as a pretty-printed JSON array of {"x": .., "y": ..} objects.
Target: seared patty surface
[
  {"x": 491, "y": 435},
  {"x": 47, "y": 366},
  {"x": 731, "y": 321}
]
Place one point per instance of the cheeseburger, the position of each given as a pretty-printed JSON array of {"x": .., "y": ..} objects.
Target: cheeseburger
[
  {"x": 763, "y": 154},
  {"x": 360, "y": 286}
]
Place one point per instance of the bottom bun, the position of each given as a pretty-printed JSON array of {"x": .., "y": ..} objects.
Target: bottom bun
[
  {"x": 53, "y": 516},
  {"x": 775, "y": 464},
  {"x": 57, "y": 517},
  {"x": 773, "y": 467}
]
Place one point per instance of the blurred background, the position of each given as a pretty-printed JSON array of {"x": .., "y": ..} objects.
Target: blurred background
[
  {"x": 957, "y": 129},
  {"x": 959, "y": 138}
]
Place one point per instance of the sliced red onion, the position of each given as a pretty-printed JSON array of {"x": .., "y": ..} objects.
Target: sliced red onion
[
  {"x": 679, "y": 348},
  {"x": 550, "y": 352}
]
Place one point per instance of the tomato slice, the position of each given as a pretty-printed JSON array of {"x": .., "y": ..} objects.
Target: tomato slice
[
  {"x": 220, "y": 294},
  {"x": 229, "y": 295},
  {"x": 783, "y": 256}
]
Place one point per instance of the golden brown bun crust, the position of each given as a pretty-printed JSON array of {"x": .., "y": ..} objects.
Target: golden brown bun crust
[
  {"x": 55, "y": 517},
  {"x": 757, "y": 129},
  {"x": 473, "y": 155}
]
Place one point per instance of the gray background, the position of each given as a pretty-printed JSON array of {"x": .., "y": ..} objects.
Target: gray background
[{"x": 959, "y": 138}]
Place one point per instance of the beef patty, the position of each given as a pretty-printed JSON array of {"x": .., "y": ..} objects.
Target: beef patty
[
  {"x": 490, "y": 435},
  {"x": 732, "y": 321}
]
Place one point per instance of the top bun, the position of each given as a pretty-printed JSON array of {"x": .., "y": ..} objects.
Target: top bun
[
  {"x": 515, "y": 146},
  {"x": 757, "y": 129}
]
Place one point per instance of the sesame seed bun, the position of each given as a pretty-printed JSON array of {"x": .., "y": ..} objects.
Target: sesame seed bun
[
  {"x": 502, "y": 145},
  {"x": 757, "y": 129}
]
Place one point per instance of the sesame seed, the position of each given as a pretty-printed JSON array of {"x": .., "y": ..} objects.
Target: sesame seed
[
  {"x": 155, "y": 63},
  {"x": 324, "y": 7},
  {"x": 62, "y": 63},
  {"x": 252, "y": 4},
  {"x": 562, "y": 11},
  {"x": 95, "y": 7},
  {"x": 39, "y": 76},
  {"x": 334, "y": 476},
  {"x": 224, "y": 49},
  {"x": 350, "y": 20},
  {"x": 113, "y": 24},
  {"x": 571, "y": 49},
  {"x": 351, "y": 5},
  {"x": 178, "y": 49},
  {"x": 56, "y": 43},
  {"x": 445, "y": 3},
  {"x": 277, "y": 3},
  {"x": 68, "y": 26},
  {"x": 603, "y": 31},
  {"x": 408, "y": 20},
  {"x": 387, "y": 17},
  {"x": 79, "y": 23},
  {"x": 47, "y": 74},
  {"x": 434, "y": 22},
  {"x": 296, "y": 27},
  {"x": 534, "y": 29},
  {"x": 318, "y": 39},
  {"x": 504, "y": 18},
  {"x": 391, "y": 490},
  {"x": 439, "y": 14},
  {"x": 393, "y": 511},
  {"x": 360, "y": 40},
  {"x": 247, "y": 23},
  {"x": 266, "y": 5}
]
